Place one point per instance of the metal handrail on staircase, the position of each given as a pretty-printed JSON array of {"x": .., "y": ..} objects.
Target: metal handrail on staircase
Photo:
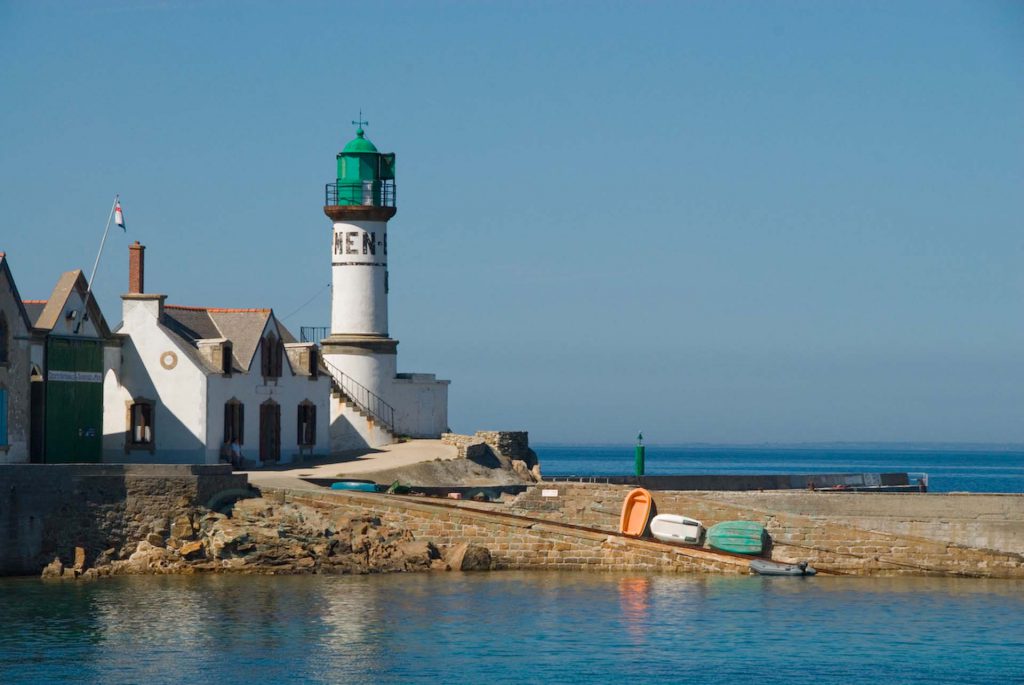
[{"x": 365, "y": 399}]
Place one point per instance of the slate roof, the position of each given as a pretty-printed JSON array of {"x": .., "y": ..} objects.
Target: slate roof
[
  {"x": 53, "y": 310},
  {"x": 34, "y": 308},
  {"x": 242, "y": 327},
  {"x": 5, "y": 270}
]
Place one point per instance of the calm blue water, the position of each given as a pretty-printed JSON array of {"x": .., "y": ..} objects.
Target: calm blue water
[
  {"x": 948, "y": 470},
  {"x": 512, "y": 627}
]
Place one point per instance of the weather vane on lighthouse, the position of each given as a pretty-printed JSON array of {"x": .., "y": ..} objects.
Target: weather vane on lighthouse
[{"x": 360, "y": 123}]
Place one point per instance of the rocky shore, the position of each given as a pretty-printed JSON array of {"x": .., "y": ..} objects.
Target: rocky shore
[{"x": 267, "y": 537}]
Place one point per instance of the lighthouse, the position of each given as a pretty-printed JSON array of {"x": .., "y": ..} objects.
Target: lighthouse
[
  {"x": 375, "y": 403},
  {"x": 360, "y": 204}
]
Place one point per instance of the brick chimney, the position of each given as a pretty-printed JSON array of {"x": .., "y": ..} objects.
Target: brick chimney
[{"x": 136, "y": 268}]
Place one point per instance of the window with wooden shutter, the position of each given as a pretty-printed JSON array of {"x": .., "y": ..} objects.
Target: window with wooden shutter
[
  {"x": 3, "y": 417},
  {"x": 225, "y": 359},
  {"x": 306, "y": 424},
  {"x": 270, "y": 431},
  {"x": 141, "y": 428},
  {"x": 5, "y": 345},
  {"x": 234, "y": 422},
  {"x": 271, "y": 352}
]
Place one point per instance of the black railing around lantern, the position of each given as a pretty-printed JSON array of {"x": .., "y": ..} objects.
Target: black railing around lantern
[{"x": 365, "y": 193}]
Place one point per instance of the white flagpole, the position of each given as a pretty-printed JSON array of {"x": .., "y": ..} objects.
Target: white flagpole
[
  {"x": 88, "y": 290},
  {"x": 102, "y": 242}
]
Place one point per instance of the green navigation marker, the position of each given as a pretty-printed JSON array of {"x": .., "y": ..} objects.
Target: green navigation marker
[{"x": 639, "y": 454}]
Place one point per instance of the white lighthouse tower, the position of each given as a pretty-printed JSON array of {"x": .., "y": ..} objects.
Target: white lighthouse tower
[{"x": 373, "y": 403}]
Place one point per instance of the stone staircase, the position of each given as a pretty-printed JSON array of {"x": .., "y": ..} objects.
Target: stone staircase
[{"x": 355, "y": 412}]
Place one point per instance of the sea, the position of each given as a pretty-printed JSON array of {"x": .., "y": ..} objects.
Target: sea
[
  {"x": 544, "y": 627},
  {"x": 948, "y": 469},
  {"x": 512, "y": 627}
]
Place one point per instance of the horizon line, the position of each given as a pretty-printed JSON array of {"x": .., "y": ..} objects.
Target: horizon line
[{"x": 948, "y": 446}]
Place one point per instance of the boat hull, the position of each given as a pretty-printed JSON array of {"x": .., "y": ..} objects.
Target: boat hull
[
  {"x": 675, "y": 528},
  {"x": 764, "y": 567},
  {"x": 357, "y": 485},
  {"x": 739, "y": 537},
  {"x": 636, "y": 510}
]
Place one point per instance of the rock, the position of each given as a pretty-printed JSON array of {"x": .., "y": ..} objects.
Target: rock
[
  {"x": 159, "y": 526},
  {"x": 477, "y": 558},
  {"x": 418, "y": 553},
  {"x": 320, "y": 549},
  {"x": 466, "y": 557},
  {"x": 270, "y": 536},
  {"x": 55, "y": 569},
  {"x": 225, "y": 538},
  {"x": 191, "y": 550},
  {"x": 182, "y": 528},
  {"x": 360, "y": 544},
  {"x": 305, "y": 563},
  {"x": 522, "y": 469},
  {"x": 146, "y": 556},
  {"x": 105, "y": 557}
]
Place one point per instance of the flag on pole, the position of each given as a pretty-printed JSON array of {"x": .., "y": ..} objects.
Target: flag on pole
[{"x": 119, "y": 216}]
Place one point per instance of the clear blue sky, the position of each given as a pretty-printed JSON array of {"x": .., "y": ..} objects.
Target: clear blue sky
[{"x": 724, "y": 222}]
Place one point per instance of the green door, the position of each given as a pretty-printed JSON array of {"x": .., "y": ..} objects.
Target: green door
[{"x": 74, "y": 400}]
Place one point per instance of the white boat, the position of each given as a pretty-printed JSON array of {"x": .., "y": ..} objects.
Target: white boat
[{"x": 674, "y": 528}]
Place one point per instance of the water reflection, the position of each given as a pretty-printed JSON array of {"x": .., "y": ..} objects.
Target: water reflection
[
  {"x": 634, "y": 594},
  {"x": 511, "y": 627}
]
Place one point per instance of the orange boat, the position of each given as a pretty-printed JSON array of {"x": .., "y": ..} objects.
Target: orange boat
[{"x": 635, "y": 512}]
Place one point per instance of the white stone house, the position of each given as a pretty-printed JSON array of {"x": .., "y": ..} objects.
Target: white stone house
[{"x": 189, "y": 381}]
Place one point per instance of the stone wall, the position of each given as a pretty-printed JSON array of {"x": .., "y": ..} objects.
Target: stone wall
[
  {"x": 509, "y": 449},
  {"x": 855, "y": 533},
  {"x": 15, "y": 372},
  {"x": 514, "y": 542},
  {"x": 48, "y": 510}
]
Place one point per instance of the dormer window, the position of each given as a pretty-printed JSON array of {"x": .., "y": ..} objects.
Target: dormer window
[
  {"x": 314, "y": 362},
  {"x": 271, "y": 356},
  {"x": 225, "y": 359}
]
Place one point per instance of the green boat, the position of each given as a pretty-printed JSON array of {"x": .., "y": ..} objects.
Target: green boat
[{"x": 741, "y": 537}]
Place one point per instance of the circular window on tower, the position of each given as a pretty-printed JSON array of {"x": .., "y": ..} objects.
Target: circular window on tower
[{"x": 168, "y": 360}]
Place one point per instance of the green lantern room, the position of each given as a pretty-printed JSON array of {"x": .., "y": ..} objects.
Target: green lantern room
[{"x": 366, "y": 177}]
